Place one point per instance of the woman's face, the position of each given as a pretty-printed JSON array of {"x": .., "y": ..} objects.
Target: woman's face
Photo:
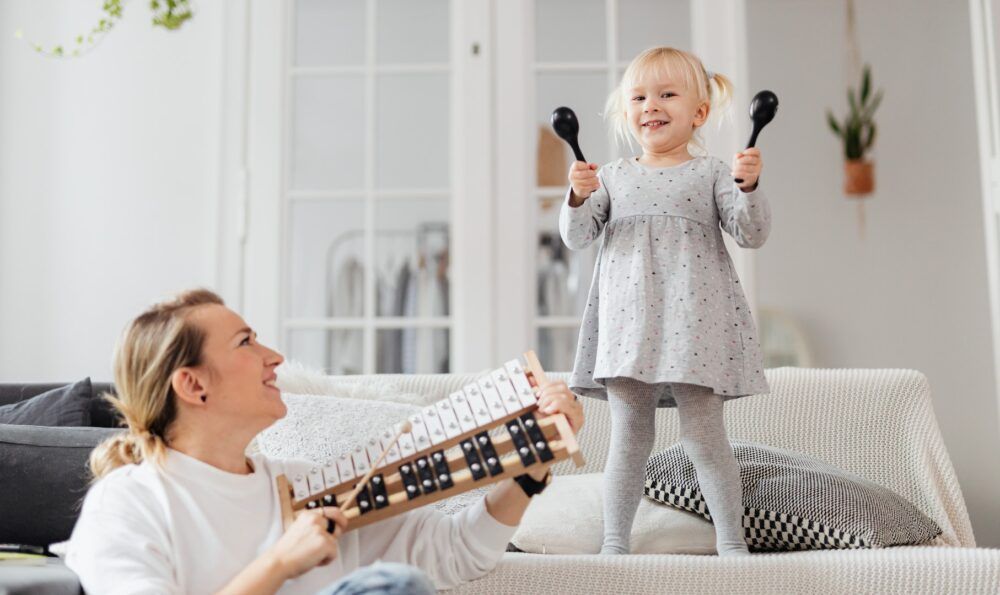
[{"x": 238, "y": 372}]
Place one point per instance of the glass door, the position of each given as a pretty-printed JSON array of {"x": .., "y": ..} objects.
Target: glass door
[{"x": 368, "y": 185}]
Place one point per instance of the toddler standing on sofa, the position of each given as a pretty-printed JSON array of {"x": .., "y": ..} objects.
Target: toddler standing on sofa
[{"x": 666, "y": 323}]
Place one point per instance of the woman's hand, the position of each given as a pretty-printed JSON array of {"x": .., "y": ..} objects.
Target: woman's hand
[
  {"x": 308, "y": 542},
  {"x": 507, "y": 502},
  {"x": 555, "y": 397},
  {"x": 746, "y": 166},
  {"x": 583, "y": 178}
]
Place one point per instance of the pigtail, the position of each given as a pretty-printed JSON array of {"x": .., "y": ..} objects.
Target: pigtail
[{"x": 720, "y": 90}]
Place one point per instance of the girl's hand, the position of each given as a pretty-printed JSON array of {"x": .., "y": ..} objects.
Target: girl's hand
[
  {"x": 746, "y": 166},
  {"x": 583, "y": 178},
  {"x": 308, "y": 542}
]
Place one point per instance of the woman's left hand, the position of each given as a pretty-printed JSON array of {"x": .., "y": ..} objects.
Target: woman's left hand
[
  {"x": 555, "y": 397},
  {"x": 747, "y": 166}
]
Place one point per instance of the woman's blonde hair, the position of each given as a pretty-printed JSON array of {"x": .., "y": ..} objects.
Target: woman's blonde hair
[
  {"x": 713, "y": 88},
  {"x": 158, "y": 342}
]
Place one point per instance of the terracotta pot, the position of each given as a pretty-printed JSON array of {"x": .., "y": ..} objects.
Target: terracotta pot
[{"x": 859, "y": 177}]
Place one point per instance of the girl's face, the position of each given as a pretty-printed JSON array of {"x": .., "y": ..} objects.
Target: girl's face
[
  {"x": 238, "y": 372},
  {"x": 663, "y": 112}
]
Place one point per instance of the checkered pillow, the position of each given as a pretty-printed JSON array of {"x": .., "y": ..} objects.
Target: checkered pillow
[{"x": 796, "y": 502}]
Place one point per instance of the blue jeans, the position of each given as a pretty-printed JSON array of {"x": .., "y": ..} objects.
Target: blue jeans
[{"x": 383, "y": 578}]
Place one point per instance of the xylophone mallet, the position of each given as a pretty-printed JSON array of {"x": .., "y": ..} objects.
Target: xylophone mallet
[{"x": 404, "y": 428}]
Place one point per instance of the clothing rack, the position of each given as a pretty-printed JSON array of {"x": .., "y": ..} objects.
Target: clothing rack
[{"x": 355, "y": 295}]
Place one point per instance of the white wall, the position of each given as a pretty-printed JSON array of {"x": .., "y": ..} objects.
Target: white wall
[
  {"x": 912, "y": 293},
  {"x": 108, "y": 180}
]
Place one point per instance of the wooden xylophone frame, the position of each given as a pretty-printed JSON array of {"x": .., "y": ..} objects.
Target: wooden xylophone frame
[{"x": 387, "y": 479}]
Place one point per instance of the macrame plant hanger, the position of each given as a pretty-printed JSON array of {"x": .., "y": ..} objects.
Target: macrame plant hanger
[{"x": 854, "y": 74}]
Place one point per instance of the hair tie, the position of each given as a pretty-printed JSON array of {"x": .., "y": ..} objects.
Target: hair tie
[{"x": 709, "y": 74}]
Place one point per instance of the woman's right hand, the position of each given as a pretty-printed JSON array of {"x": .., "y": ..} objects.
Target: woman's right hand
[
  {"x": 307, "y": 543},
  {"x": 583, "y": 178}
]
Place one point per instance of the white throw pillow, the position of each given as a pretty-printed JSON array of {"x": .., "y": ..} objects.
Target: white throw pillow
[
  {"x": 299, "y": 379},
  {"x": 568, "y": 518},
  {"x": 320, "y": 428}
]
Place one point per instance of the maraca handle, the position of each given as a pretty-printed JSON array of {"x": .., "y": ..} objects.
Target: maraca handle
[{"x": 577, "y": 152}]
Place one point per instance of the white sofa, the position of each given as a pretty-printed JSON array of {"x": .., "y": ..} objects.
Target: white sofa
[{"x": 878, "y": 424}]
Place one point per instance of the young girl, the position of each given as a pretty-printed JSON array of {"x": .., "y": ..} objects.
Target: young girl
[{"x": 666, "y": 323}]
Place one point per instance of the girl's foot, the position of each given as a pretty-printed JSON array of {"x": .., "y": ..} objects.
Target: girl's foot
[{"x": 727, "y": 549}]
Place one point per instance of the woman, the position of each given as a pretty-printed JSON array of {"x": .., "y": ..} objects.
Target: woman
[{"x": 178, "y": 508}]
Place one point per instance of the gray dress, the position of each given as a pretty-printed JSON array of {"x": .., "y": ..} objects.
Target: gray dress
[{"x": 665, "y": 303}]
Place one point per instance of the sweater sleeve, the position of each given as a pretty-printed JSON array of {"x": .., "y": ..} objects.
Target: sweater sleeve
[
  {"x": 580, "y": 226},
  {"x": 744, "y": 215},
  {"x": 118, "y": 552},
  {"x": 450, "y": 549}
]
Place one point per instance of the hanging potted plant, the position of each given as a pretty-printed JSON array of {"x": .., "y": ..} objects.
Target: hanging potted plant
[{"x": 858, "y": 134}]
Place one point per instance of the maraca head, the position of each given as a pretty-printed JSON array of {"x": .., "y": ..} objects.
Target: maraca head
[
  {"x": 763, "y": 107},
  {"x": 565, "y": 124}
]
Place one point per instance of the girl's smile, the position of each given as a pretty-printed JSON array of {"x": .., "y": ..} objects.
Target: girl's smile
[{"x": 663, "y": 114}]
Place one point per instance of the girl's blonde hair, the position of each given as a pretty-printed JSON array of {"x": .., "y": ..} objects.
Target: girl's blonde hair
[
  {"x": 713, "y": 88},
  {"x": 158, "y": 342}
]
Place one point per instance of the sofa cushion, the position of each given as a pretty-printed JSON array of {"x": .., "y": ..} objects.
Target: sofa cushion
[
  {"x": 69, "y": 405},
  {"x": 796, "y": 502},
  {"x": 568, "y": 518},
  {"x": 44, "y": 475}
]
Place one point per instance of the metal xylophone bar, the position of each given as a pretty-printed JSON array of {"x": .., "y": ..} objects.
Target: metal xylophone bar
[{"x": 448, "y": 450}]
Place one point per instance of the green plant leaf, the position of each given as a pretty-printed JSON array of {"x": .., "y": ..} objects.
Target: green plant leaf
[
  {"x": 871, "y": 136},
  {"x": 866, "y": 82},
  {"x": 852, "y": 102},
  {"x": 833, "y": 123},
  {"x": 870, "y": 110}
]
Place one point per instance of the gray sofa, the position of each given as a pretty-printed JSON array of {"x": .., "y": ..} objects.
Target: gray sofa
[{"x": 44, "y": 477}]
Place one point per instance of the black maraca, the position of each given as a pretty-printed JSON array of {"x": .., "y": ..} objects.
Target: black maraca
[
  {"x": 762, "y": 110},
  {"x": 565, "y": 124}
]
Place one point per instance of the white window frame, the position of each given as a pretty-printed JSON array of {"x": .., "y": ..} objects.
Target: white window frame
[{"x": 265, "y": 283}]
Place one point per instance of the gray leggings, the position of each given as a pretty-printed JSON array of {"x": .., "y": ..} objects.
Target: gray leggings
[{"x": 703, "y": 435}]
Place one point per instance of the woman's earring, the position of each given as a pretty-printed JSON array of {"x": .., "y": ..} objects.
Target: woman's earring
[{"x": 204, "y": 398}]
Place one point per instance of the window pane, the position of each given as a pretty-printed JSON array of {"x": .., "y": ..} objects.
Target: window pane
[
  {"x": 563, "y": 275},
  {"x": 412, "y": 351},
  {"x": 326, "y": 244},
  {"x": 329, "y": 33},
  {"x": 412, "y": 131},
  {"x": 334, "y": 351},
  {"x": 557, "y": 348},
  {"x": 328, "y": 134},
  {"x": 643, "y": 24},
  {"x": 412, "y": 257},
  {"x": 411, "y": 31},
  {"x": 569, "y": 30},
  {"x": 585, "y": 94}
]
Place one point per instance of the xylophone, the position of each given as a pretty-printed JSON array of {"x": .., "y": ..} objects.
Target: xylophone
[{"x": 488, "y": 431}]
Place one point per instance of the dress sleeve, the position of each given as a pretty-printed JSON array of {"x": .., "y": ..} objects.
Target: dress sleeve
[
  {"x": 118, "y": 551},
  {"x": 450, "y": 549},
  {"x": 744, "y": 215},
  {"x": 580, "y": 226}
]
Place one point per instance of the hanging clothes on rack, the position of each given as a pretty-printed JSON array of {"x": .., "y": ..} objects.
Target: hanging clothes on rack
[{"x": 345, "y": 299}]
